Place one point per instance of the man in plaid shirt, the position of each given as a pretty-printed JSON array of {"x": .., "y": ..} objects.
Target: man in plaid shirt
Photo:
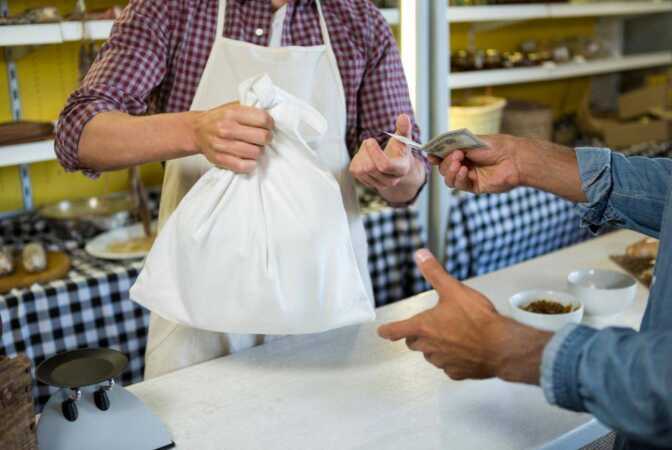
[{"x": 136, "y": 104}]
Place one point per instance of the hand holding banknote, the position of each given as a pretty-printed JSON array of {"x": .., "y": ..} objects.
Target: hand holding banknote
[{"x": 483, "y": 170}]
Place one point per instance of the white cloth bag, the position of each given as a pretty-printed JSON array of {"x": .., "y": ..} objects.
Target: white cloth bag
[{"x": 268, "y": 252}]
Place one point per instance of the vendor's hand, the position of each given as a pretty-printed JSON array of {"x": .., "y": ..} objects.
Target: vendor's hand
[
  {"x": 391, "y": 170},
  {"x": 489, "y": 170},
  {"x": 233, "y": 136},
  {"x": 463, "y": 334}
]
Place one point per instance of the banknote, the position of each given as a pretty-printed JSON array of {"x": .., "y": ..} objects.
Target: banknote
[{"x": 445, "y": 143}]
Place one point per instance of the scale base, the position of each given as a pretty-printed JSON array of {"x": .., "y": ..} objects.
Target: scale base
[{"x": 128, "y": 424}]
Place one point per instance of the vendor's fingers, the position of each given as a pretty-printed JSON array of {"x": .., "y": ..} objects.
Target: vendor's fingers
[
  {"x": 251, "y": 135},
  {"x": 250, "y": 116},
  {"x": 400, "y": 330},
  {"x": 238, "y": 148},
  {"x": 386, "y": 181},
  {"x": 232, "y": 163},
  {"x": 404, "y": 125},
  {"x": 384, "y": 164},
  {"x": 370, "y": 181}
]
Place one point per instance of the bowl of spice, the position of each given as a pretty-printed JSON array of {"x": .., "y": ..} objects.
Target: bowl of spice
[{"x": 546, "y": 310}]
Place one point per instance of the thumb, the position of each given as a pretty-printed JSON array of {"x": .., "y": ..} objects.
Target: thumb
[
  {"x": 435, "y": 274},
  {"x": 404, "y": 125}
]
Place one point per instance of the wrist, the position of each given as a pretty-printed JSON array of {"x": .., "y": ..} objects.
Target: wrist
[
  {"x": 516, "y": 350},
  {"x": 188, "y": 123}
]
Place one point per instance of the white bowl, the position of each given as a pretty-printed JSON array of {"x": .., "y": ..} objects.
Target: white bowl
[
  {"x": 603, "y": 292},
  {"x": 548, "y": 322}
]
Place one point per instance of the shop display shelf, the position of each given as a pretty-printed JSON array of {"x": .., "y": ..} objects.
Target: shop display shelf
[
  {"x": 12, "y": 155},
  {"x": 57, "y": 33},
  {"x": 456, "y": 14},
  {"x": 53, "y": 33},
  {"x": 547, "y": 72},
  {"x": 391, "y": 15}
]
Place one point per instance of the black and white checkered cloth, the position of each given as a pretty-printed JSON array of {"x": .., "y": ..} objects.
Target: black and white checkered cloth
[
  {"x": 492, "y": 231},
  {"x": 92, "y": 308},
  {"x": 393, "y": 236}
]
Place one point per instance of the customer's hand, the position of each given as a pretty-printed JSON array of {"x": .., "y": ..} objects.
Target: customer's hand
[
  {"x": 464, "y": 336},
  {"x": 490, "y": 170},
  {"x": 233, "y": 136}
]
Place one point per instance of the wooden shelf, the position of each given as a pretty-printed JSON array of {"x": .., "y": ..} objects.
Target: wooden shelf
[
  {"x": 57, "y": 33},
  {"x": 52, "y": 33},
  {"x": 498, "y": 13},
  {"x": 482, "y": 78},
  {"x": 391, "y": 15},
  {"x": 12, "y": 155}
]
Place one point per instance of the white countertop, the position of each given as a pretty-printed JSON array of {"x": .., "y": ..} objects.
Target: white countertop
[{"x": 349, "y": 389}]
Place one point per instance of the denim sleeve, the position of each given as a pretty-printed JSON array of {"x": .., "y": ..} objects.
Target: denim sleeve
[
  {"x": 622, "y": 377},
  {"x": 628, "y": 192}
]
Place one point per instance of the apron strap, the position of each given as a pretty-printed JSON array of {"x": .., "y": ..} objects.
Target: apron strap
[
  {"x": 323, "y": 25},
  {"x": 221, "y": 16}
]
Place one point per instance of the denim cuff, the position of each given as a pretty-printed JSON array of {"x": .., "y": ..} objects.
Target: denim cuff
[
  {"x": 597, "y": 184},
  {"x": 560, "y": 366}
]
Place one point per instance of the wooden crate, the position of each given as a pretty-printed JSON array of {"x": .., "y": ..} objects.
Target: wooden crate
[{"x": 17, "y": 420}]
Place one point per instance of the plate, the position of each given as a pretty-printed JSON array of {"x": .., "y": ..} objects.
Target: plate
[
  {"x": 89, "y": 207},
  {"x": 83, "y": 367},
  {"x": 99, "y": 246}
]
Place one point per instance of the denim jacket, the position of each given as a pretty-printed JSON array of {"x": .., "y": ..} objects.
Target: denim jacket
[{"x": 622, "y": 377}]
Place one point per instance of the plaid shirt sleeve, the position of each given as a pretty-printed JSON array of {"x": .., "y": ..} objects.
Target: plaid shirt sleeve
[
  {"x": 129, "y": 66},
  {"x": 384, "y": 95}
]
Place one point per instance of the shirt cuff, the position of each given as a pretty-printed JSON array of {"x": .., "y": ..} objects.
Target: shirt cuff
[
  {"x": 597, "y": 184},
  {"x": 69, "y": 131},
  {"x": 560, "y": 366}
]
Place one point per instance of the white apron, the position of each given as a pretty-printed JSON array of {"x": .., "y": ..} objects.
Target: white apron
[{"x": 309, "y": 73}]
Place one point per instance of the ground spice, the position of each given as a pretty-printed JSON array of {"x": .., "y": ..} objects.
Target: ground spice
[{"x": 547, "y": 307}]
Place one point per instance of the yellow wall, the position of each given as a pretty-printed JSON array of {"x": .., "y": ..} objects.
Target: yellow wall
[
  {"x": 562, "y": 95},
  {"x": 49, "y": 73}
]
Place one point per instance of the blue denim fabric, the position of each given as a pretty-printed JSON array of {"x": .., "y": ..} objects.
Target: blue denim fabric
[{"x": 622, "y": 377}]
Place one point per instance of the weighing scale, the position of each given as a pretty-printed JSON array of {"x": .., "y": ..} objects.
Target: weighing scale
[{"x": 91, "y": 411}]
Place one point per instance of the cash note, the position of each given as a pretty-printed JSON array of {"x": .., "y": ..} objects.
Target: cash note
[{"x": 446, "y": 143}]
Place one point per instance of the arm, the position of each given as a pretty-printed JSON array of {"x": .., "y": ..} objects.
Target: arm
[
  {"x": 97, "y": 129},
  {"x": 610, "y": 188},
  {"x": 622, "y": 377},
  {"x": 397, "y": 172},
  {"x": 103, "y": 127}
]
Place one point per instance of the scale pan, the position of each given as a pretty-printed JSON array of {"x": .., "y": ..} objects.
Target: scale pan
[{"x": 83, "y": 367}]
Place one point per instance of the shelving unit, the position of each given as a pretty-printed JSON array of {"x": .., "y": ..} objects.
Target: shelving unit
[
  {"x": 58, "y": 33},
  {"x": 552, "y": 71},
  {"x": 612, "y": 18},
  {"x": 53, "y": 33},
  {"x": 12, "y": 155},
  {"x": 459, "y": 14}
]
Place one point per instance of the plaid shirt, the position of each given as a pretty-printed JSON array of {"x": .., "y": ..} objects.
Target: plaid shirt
[{"x": 158, "y": 49}]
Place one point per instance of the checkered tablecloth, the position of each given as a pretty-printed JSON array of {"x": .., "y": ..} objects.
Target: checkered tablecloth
[
  {"x": 492, "y": 231},
  {"x": 91, "y": 307}
]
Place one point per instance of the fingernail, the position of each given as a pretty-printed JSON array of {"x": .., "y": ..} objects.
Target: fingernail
[
  {"x": 423, "y": 255},
  {"x": 454, "y": 166}
]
